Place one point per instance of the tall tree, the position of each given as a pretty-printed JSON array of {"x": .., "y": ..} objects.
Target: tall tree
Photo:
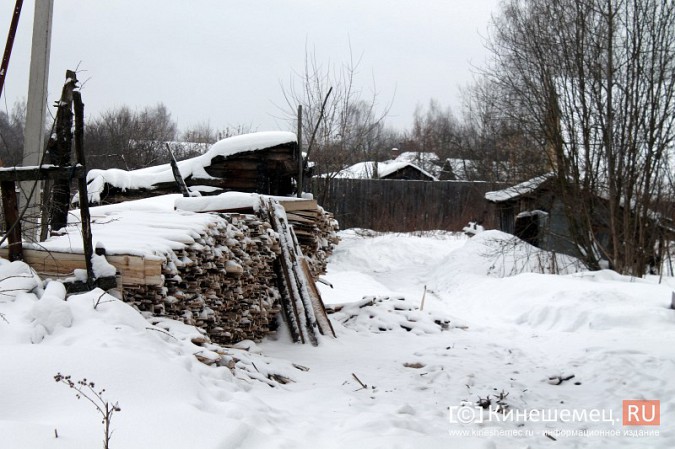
[
  {"x": 123, "y": 138},
  {"x": 350, "y": 123},
  {"x": 593, "y": 82}
]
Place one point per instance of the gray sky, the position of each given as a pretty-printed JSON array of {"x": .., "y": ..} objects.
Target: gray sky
[{"x": 223, "y": 61}]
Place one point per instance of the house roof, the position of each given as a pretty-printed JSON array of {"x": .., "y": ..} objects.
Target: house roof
[
  {"x": 366, "y": 170},
  {"x": 518, "y": 190}
]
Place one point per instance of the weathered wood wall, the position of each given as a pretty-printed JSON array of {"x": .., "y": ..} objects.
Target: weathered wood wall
[{"x": 405, "y": 206}]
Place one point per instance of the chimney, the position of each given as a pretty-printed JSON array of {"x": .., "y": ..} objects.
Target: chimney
[{"x": 395, "y": 153}]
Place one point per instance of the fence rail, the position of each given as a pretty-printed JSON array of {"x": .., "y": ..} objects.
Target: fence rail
[{"x": 404, "y": 206}]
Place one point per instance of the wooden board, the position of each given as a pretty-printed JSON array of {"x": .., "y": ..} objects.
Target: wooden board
[
  {"x": 294, "y": 205},
  {"x": 132, "y": 269},
  {"x": 325, "y": 326}
]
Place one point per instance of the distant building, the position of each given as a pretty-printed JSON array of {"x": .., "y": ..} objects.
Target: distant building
[
  {"x": 533, "y": 212},
  {"x": 385, "y": 170}
]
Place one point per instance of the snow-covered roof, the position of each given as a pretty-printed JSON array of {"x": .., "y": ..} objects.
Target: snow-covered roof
[
  {"x": 387, "y": 169},
  {"x": 523, "y": 188},
  {"x": 367, "y": 170},
  {"x": 426, "y": 160},
  {"x": 145, "y": 178}
]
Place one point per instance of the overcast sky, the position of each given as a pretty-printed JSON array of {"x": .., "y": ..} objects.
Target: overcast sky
[{"x": 223, "y": 62}]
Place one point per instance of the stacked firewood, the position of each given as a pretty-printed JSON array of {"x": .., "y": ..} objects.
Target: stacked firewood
[
  {"x": 316, "y": 231},
  {"x": 224, "y": 282}
]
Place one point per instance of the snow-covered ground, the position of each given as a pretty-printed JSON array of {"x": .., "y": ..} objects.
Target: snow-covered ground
[{"x": 394, "y": 378}]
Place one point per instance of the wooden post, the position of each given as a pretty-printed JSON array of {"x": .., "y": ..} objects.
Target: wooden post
[
  {"x": 176, "y": 174},
  {"x": 10, "y": 208},
  {"x": 78, "y": 139},
  {"x": 60, "y": 152},
  {"x": 301, "y": 163}
]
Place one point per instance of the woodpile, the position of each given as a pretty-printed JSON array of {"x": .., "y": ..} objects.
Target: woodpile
[
  {"x": 303, "y": 308},
  {"x": 316, "y": 231},
  {"x": 229, "y": 273},
  {"x": 223, "y": 283}
]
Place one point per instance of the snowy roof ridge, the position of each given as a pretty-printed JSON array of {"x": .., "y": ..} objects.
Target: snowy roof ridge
[
  {"x": 523, "y": 188},
  {"x": 367, "y": 169},
  {"x": 393, "y": 166},
  {"x": 145, "y": 178}
]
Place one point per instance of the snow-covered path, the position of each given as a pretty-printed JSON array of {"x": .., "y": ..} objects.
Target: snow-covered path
[
  {"x": 480, "y": 335},
  {"x": 514, "y": 334}
]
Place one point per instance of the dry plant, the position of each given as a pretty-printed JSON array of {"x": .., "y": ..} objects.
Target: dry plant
[{"x": 87, "y": 390}]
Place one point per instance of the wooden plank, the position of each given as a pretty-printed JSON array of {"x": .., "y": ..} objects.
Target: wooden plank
[
  {"x": 325, "y": 326},
  {"x": 299, "y": 219},
  {"x": 41, "y": 173},
  {"x": 133, "y": 269},
  {"x": 292, "y": 205}
]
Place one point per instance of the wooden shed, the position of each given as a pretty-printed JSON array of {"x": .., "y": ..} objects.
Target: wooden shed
[
  {"x": 264, "y": 162},
  {"x": 533, "y": 212}
]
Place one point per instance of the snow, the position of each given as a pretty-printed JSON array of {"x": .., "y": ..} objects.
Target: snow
[
  {"x": 149, "y": 227},
  {"x": 494, "y": 320},
  {"x": 518, "y": 190},
  {"x": 145, "y": 178},
  {"x": 367, "y": 170},
  {"x": 229, "y": 201}
]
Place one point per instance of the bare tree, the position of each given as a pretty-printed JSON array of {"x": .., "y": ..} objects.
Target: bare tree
[
  {"x": 11, "y": 134},
  {"x": 350, "y": 123},
  {"x": 123, "y": 138},
  {"x": 202, "y": 132},
  {"x": 593, "y": 82}
]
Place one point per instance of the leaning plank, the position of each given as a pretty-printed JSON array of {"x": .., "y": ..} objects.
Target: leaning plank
[
  {"x": 325, "y": 326},
  {"x": 133, "y": 269},
  {"x": 299, "y": 294}
]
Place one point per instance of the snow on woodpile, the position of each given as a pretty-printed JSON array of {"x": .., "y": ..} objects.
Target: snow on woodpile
[
  {"x": 315, "y": 228},
  {"x": 216, "y": 269},
  {"x": 207, "y": 171}
]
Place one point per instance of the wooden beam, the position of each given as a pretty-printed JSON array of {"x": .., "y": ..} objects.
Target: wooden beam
[
  {"x": 295, "y": 205},
  {"x": 41, "y": 173},
  {"x": 85, "y": 218},
  {"x": 132, "y": 269}
]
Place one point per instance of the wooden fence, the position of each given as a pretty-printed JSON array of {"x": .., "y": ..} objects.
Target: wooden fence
[{"x": 404, "y": 206}]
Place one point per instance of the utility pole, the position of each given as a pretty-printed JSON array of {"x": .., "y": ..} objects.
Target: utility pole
[{"x": 36, "y": 108}]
